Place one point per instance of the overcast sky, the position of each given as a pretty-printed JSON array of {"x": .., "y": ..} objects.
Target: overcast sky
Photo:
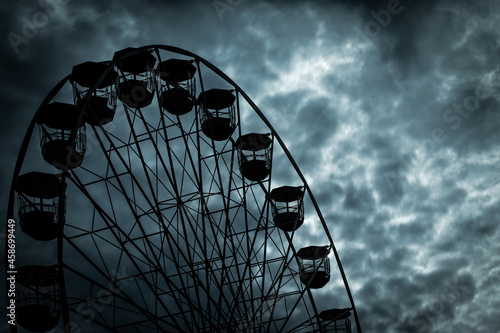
[{"x": 390, "y": 108}]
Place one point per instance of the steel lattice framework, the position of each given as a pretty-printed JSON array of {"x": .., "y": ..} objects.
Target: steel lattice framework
[{"x": 159, "y": 231}]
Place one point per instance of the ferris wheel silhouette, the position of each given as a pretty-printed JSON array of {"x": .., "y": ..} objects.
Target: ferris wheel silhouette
[{"x": 153, "y": 208}]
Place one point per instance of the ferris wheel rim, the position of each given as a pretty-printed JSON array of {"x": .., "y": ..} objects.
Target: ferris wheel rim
[{"x": 198, "y": 59}]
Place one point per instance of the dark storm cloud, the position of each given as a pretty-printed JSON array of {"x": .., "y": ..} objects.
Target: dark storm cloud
[
  {"x": 359, "y": 200},
  {"x": 470, "y": 123},
  {"x": 390, "y": 182},
  {"x": 441, "y": 304},
  {"x": 319, "y": 121}
]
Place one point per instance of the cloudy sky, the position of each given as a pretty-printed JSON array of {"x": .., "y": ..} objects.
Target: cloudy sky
[{"x": 390, "y": 108}]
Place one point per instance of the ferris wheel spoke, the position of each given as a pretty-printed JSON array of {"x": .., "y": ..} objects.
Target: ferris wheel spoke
[
  {"x": 190, "y": 217},
  {"x": 154, "y": 262},
  {"x": 146, "y": 169},
  {"x": 228, "y": 242},
  {"x": 301, "y": 299},
  {"x": 113, "y": 225},
  {"x": 108, "y": 277},
  {"x": 194, "y": 276}
]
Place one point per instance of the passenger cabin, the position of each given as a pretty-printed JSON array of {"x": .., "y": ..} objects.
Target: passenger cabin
[
  {"x": 38, "y": 195},
  {"x": 218, "y": 119},
  {"x": 335, "y": 321},
  {"x": 100, "y": 106},
  {"x": 254, "y": 156},
  {"x": 176, "y": 85},
  {"x": 38, "y": 297},
  {"x": 135, "y": 81},
  {"x": 287, "y": 204},
  {"x": 57, "y": 121},
  {"x": 314, "y": 266}
]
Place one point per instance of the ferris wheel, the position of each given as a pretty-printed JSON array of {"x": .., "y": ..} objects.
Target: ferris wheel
[{"x": 148, "y": 203}]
